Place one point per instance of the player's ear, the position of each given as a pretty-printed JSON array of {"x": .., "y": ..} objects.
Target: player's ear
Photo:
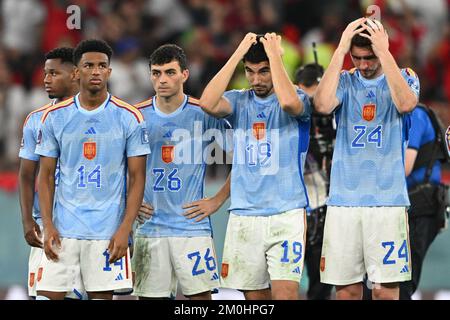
[
  {"x": 75, "y": 75},
  {"x": 185, "y": 75}
]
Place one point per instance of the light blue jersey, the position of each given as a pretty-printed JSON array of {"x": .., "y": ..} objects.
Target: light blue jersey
[
  {"x": 368, "y": 161},
  {"x": 269, "y": 154},
  {"x": 181, "y": 143},
  {"x": 28, "y": 147},
  {"x": 92, "y": 147}
]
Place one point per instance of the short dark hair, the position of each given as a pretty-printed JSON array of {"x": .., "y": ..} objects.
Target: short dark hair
[
  {"x": 63, "y": 53},
  {"x": 168, "y": 53},
  {"x": 91, "y": 45},
  {"x": 309, "y": 75},
  {"x": 256, "y": 53},
  {"x": 360, "y": 41}
]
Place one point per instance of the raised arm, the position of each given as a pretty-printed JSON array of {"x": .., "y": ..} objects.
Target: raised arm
[
  {"x": 325, "y": 99},
  {"x": 136, "y": 174},
  {"x": 211, "y": 100},
  {"x": 283, "y": 87},
  {"x": 46, "y": 187},
  {"x": 404, "y": 99}
]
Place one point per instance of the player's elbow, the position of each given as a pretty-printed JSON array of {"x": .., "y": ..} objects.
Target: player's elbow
[
  {"x": 321, "y": 107},
  {"x": 407, "y": 104},
  {"x": 291, "y": 106}
]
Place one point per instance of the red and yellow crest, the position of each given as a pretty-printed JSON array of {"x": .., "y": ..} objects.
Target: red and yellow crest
[
  {"x": 224, "y": 272},
  {"x": 167, "y": 153},
  {"x": 322, "y": 264},
  {"x": 31, "y": 283},
  {"x": 368, "y": 112},
  {"x": 89, "y": 149},
  {"x": 259, "y": 130},
  {"x": 39, "y": 275}
]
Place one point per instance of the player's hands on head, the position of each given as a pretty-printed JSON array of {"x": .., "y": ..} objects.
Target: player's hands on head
[
  {"x": 33, "y": 235},
  {"x": 352, "y": 28},
  {"x": 52, "y": 242},
  {"x": 118, "y": 245},
  {"x": 145, "y": 212},
  {"x": 201, "y": 209},
  {"x": 246, "y": 43},
  {"x": 377, "y": 35},
  {"x": 272, "y": 44}
]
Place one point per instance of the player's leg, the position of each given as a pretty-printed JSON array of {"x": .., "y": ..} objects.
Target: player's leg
[
  {"x": 285, "y": 243},
  {"x": 244, "y": 264},
  {"x": 55, "y": 278},
  {"x": 386, "y": 249},
  {"x": 195, "y": 264},
  {"x": 154, "y": 274},
  {"x": 342, "y": 261},
  {"x": 100, "y": 277}
]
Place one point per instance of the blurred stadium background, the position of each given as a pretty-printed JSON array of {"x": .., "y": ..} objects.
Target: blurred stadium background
[{"x": 209, "y": 31}]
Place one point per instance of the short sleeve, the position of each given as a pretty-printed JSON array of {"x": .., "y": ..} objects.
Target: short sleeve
[
  {"x": 28, "y": 143},
  {"x": 138, "y": 140},
  {"x": 46, "y": 142},
  {"x": 307, "y": 107},
  {"x": 412, "y": 79}
]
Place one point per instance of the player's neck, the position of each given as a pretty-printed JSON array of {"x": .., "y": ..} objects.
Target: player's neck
[
  {"x": 170, "y": 104},
  {"x": 91, "y": 101},
  {"x": 70, "y": 94}
]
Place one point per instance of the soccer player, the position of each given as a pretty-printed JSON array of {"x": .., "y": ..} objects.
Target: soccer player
[
  {"x": 60, "y": 84},
  {"x": 96, "y": 137},
  {"x": 366, "y": 229},
  {"x": 264, "y": 242},
  {"x": 174, "y": 245}
]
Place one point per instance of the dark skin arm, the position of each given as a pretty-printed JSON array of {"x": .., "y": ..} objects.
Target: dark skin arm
[
  {"x": 46, "y": 187},
  {"x": 136, "y": 174},
  {"x": 27, "y": 180}
]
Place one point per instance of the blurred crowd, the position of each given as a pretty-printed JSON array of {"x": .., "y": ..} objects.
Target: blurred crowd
[{"x": 209, "y": 31}]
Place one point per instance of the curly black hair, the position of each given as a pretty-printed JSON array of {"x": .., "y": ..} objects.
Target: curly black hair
[
  {"x": 309, "y": 74},
  {"x": 168, "y": 53},
  {"x": 256, "y": 53},
  {"x": 63, "y": 53},
  {"x": 91, "y": 45}
]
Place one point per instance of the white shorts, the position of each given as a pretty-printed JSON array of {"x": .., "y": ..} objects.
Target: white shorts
[
  {"x": 88, "y": 258},
  {"x": 359, "y": 240},
  {"x": 259, "y": 249},
  {"x": 159, "y": 262},
  {"x": 76, "y": 292}
]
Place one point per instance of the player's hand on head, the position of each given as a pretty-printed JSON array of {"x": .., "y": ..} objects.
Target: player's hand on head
[
  {"x": 246, "y": 43},
  {"x": 145, "y": 212},
  {"x": 352, "y": 28},
  {"x": 52, "y": 243},
  {"x": 201, "y": 209},
  {"x": 33, "y": 235},
  {"x": 377, "y": 35},
  {"x": 118, "y": 245},
  {"x": 272, "y": 44}
]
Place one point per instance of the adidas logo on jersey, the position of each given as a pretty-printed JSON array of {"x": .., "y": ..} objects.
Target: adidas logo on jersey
[
  {"x": 91, "y": 130},
  {"x": 215, "y": 276},
  {"x": 370, "y": 94},
  {"x": 119, "y": 277},
  {"x": 297, "y": 270},
  {"x": 405, "y": 269},
  {"x": 261, "y": 115},
  {"x": 168, "y": 134}
]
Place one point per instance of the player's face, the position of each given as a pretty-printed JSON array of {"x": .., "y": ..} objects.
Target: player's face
[
  {"x": 168, "y": 79},
  {"x": 366, "y": 62},
  {"x": 94, "y": 71},
  {"x": 259, "y": 77},
  {"x": 58, "y": 78}
]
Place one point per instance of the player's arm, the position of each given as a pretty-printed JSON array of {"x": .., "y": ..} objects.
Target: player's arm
[
  {"x": 27, "y": 180},
  {"x": 204, "y": 208},
  {"x": 325, "y": 99},
  {"x": 211, "y": 100},
  {"x": 136, "y": 174},
  {"x": 283, "y": 87},
  {"x": 404, "y": 99},
  {"x": 46, "y": 188},
  {"x": 410, "y": 159}
]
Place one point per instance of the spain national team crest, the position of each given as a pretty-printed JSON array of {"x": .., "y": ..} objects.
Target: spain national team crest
[
  {"x": 89, "y": 149},
  {"x": 322, "y": 264},
  {"x": 224, "y": 272},
  {"x": 31, "y": 282},
  {"x": 259, "y": 130},
  {"x": 447, "y": 139},
  {"x": 167, "y": 153},
  {"x": 368, "y": 112}
]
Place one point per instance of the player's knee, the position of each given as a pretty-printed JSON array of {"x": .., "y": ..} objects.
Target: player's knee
[
  {"x": 385, "y": 293},
  {"x": 350, "y": 292}
]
